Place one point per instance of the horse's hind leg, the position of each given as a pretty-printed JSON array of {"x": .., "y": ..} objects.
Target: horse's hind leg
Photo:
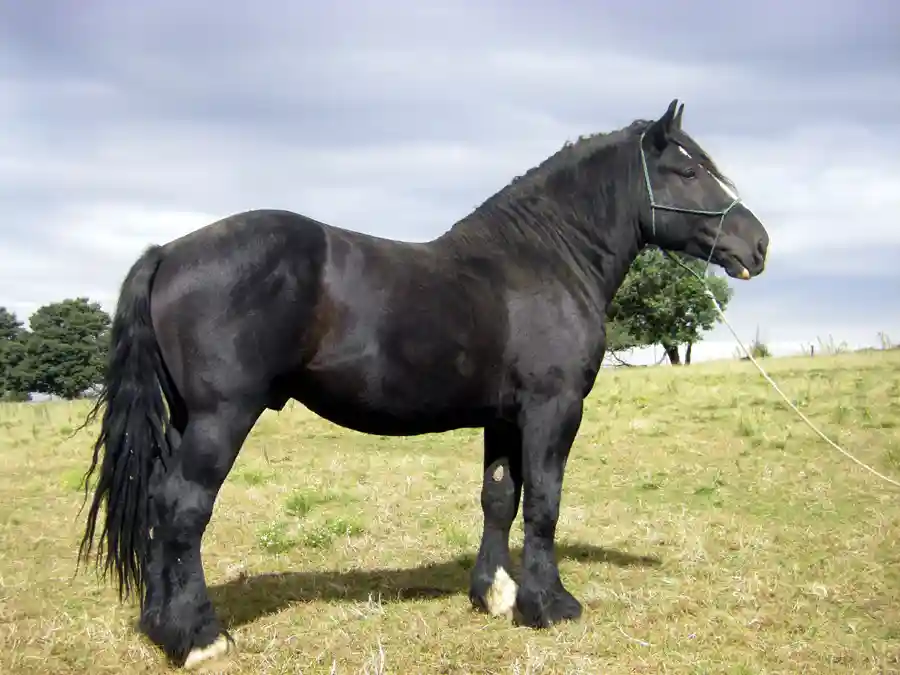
[
  {"x": 178, "y": 614},
  {"x": 491, "y": 588}
]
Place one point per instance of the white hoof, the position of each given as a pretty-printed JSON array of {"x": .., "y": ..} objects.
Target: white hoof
[
  {"x": 501, "y": 596},
  {"x": 201, "y": 656}
]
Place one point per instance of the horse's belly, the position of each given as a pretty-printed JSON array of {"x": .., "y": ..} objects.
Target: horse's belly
[{"x": 394, "y": 405}]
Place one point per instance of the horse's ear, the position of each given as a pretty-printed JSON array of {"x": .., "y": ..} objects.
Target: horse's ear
[
  {"x": 676, "y": 123},
  {"x": 662, "y": 128}
]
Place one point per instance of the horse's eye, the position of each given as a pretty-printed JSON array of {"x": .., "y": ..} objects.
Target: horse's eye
[{"x": 689, "y": 173}]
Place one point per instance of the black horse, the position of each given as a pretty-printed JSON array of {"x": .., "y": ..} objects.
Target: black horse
[{"x": 496, "y": 324}]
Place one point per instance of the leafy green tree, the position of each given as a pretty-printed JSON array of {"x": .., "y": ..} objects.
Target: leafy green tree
[
  {"x": 618, "y": 339},
  {"x": 66, "y": 348},
  {"x": 10, "y": 326},
  {"x": 13, "y": 385},
  {"x": 661, "y": 303}
]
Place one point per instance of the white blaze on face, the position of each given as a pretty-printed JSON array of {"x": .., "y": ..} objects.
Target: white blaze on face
[{"x": 728, "y": 190}]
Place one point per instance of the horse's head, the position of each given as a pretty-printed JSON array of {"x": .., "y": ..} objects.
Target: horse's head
[{"x": 691, "y": 206}]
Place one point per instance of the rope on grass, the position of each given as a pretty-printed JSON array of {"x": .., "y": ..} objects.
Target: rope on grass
[{"x": 775, "y": 386}]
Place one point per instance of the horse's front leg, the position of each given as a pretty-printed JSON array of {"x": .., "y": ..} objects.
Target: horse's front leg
[
  {"x": 549, "y": 427},
  {"x": 492, "y": 589}
]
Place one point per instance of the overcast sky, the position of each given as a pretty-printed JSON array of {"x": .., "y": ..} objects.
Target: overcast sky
[{"x": 126, "y": 123}]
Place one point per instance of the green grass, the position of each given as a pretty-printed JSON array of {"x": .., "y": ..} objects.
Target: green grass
[{"x": 705, "y": 528}]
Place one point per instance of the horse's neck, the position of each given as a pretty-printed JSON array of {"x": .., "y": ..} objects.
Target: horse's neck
[
  {"x": 593, "y": 258},
  {"x": 603, "y": 249},
  {"x": 622, "y": 244}
]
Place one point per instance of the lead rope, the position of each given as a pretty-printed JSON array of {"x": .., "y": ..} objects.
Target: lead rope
[
  {"x": 772, "y": 382},
  {"x": 702, "y": 279}
]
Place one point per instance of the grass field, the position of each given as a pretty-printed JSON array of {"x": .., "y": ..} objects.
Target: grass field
[{"x": 705, "y": 528}]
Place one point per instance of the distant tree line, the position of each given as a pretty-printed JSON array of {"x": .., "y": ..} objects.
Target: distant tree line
[{"x": 63, "y": 351}]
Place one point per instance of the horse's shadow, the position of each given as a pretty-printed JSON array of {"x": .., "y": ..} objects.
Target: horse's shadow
[{"x": 245, "y": 599}]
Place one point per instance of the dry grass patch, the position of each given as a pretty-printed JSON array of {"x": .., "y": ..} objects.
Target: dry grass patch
[{"x": 705, "y": 528}]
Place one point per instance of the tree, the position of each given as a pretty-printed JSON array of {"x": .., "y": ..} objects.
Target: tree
[
  {"x": 661, "y": 303},
  {"x": 65, "y": 351},
  {"x": 618, "y": 339},
  {"x": 10, "y": 326},
  {"x": 13, "y": 386}
]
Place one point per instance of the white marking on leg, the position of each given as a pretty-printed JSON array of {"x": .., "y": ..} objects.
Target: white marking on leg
[
  {"x": 501, "y": 596},
  {"x": 202, "y": 655}
]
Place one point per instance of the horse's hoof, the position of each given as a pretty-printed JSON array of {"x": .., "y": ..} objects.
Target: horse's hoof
[
  {"x": 201, "y": 657},
  {"x": 537, "y": 609}
]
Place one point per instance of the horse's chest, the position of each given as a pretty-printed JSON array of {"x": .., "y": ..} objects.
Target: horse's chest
[{"x": 550, "y": 342}]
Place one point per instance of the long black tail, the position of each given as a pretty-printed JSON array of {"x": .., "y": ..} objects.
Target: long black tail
[{"x": 133, "y": 433}]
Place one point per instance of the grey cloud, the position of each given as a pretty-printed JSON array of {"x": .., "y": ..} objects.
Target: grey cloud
[
  {"x": 821, "y": 38},
  {"x": 302, "y": 74},
  {"x": 397, "y": 118}
]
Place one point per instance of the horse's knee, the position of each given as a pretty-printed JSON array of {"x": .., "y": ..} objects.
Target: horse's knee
[
  {"x": 499, "y": 494},
  {"x": 181, "y": 508}
]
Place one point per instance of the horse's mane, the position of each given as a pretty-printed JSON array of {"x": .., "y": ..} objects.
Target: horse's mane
[
  {"x": 520, "y": 200},
  {"x": 521, "y": 212},
  {"x": 549, "y": 215},
  {"x": 568, "y": 158}
]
